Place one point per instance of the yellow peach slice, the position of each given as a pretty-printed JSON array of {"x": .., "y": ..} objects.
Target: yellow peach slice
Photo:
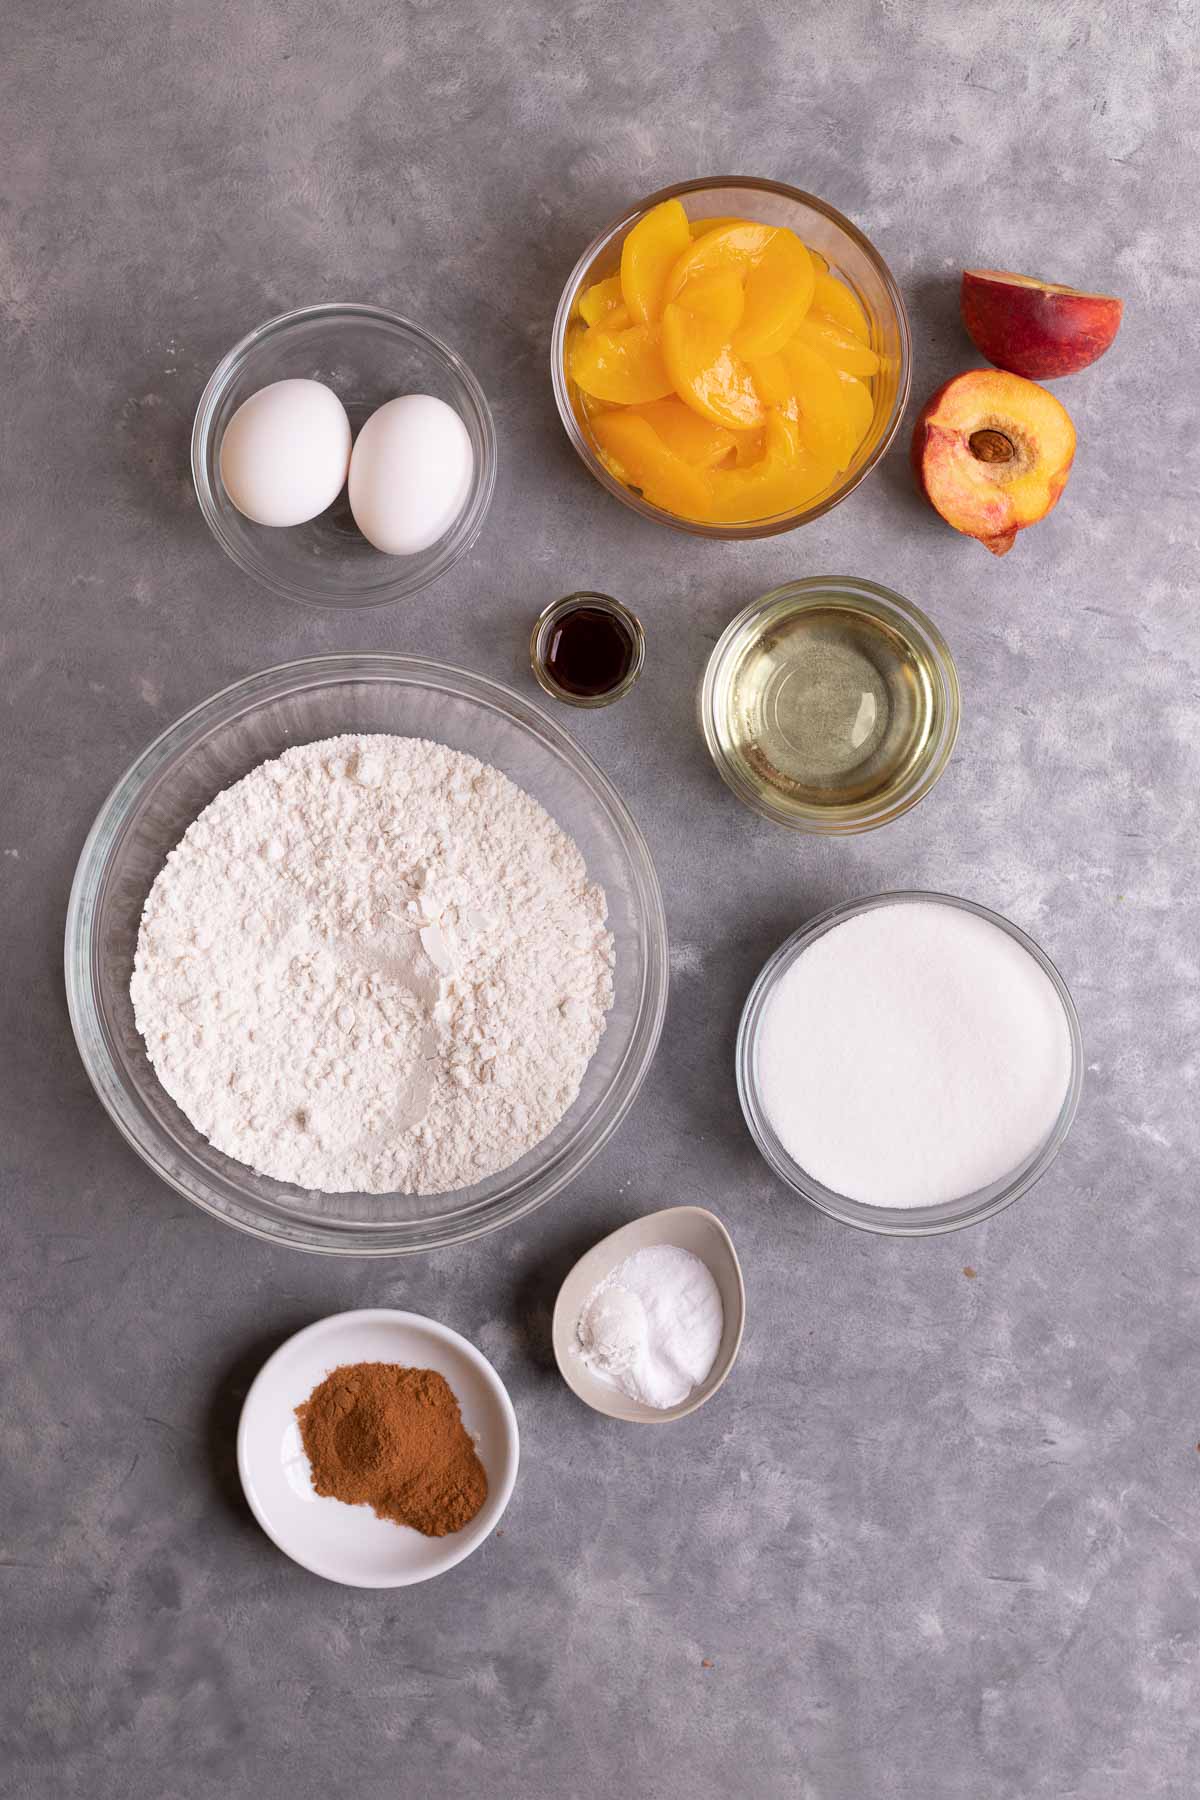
[
  {"x": 774, "y": 383},
  {"x": 705, "y": 371},
  {"x": 749, "y": 447},
  {"x": 786, "y": 479},
  {"x": 838, "y": 347},
  {"x": 648, "y": 255},
  {"x": 769, "y": 496},
  {"x": 639, "y": 458},
  {"x": 720, "y": 297},
  {"x": 698, "y": 441},
  {"x": 622, "y": 367},
  {"x": 861, "y": 402},
  {"x": 783, "y": 443},
  {"x": 779, "y": 291},
  {"x": 834, "y": 299},
  {"x": 601, "y": 298},
  {"x": 698, "y": 227},
  {"x": 738, "y": 246},
  {"x": 826, "y": 419}
]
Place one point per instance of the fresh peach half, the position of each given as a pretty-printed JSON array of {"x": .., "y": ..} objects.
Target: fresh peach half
[
  {"x": 992, "y": 452},
  {"x": 1036, "y": 328}
]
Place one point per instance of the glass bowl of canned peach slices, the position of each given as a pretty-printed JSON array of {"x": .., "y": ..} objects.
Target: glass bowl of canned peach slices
[{"x": 731, "y": 357}]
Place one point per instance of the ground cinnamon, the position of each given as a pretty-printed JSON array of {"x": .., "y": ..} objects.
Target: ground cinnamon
[{"x": 380, "y": 1435}]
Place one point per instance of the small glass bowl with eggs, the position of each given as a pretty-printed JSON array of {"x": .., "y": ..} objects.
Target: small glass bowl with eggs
[{"x": 343, "y": 456}]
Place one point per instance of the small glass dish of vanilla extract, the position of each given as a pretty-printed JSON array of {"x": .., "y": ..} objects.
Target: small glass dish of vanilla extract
[
  {"x": 830, "y": 705},
  {"x": 587, "y": 649}
]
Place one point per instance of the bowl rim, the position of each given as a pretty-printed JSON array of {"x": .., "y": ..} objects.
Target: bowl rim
[
  {"x": 917, "y": 1221},
  {"x": 910, "y": 621},
  {"x": 359, "y": 1237},
  {"x": 420, "y": 1323},
  {"x": 460, "y": 536},
  {"x": 753, "y": 529}
]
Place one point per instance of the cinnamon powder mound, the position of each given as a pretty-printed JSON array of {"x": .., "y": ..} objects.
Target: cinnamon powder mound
[{"x": 391, "y": 1438}]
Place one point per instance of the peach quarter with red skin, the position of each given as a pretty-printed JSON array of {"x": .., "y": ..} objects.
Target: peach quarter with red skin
[
  {"x": 1038, "y": 329},
  {"x": 991, "y": 452}
]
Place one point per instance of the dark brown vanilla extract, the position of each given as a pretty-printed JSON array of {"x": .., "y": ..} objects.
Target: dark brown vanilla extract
[{"x": 588, "y": 652}]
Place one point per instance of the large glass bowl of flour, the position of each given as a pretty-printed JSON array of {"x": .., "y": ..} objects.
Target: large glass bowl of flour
[{"x": 216, "y": 745}]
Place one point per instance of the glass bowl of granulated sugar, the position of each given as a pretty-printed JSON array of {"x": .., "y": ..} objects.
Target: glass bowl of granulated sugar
[
  {"x": 910, "y": 1063},
  {"x": 421, "y": 900}
]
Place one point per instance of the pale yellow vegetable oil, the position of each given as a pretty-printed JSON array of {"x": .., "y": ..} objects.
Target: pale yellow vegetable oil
[{"x": 828, "y": 707}]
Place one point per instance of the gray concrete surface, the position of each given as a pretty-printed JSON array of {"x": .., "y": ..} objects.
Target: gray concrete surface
[{"x": 938, "y": 1538}]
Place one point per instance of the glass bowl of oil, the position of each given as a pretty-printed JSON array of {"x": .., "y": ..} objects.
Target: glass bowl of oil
[{"x": 831, "y": 705}]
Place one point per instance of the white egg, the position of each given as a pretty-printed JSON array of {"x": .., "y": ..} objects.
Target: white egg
[
  {"x": 410, "y": 474},
  {"x": 285, "y": 453}
]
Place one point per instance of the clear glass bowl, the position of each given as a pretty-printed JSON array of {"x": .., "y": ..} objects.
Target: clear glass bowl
[
  {"x": 215, "y": 745},
  {"x": 934, "y": 668},
  {"x": 366, "y": 355},
  {"x": 917, "y": 1221},
  {"x": 849, "y": 255},
  {"x": 541, "y": 637}
]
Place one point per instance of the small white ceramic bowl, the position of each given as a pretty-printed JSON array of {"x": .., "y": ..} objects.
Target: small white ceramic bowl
[
  {"x": 349, "y": 1543},
  {"x": 688, "y": 1228}
]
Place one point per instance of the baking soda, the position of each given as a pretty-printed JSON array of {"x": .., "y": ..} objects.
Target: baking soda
[
  {"x": 653, "y": 1327},
  {"x": 912, "y": 1055}
]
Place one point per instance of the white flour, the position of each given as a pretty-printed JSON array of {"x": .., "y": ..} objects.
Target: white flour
[{"x": 373, "y": 965}]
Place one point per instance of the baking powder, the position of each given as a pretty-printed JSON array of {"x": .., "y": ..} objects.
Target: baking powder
[{"x": 653, "y": 1327}]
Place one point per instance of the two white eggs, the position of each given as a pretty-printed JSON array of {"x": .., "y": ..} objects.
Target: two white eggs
[{"x": 286, "y": 455}]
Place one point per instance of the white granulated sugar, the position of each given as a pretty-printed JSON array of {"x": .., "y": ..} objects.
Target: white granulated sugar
[
  {"x": 652, "y": 1329},
  {"x": 373, "y": 965},
  {"x": 912, "y": 1055}
]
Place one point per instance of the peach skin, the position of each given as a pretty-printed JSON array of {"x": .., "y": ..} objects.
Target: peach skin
[{"x": 1036, "y": 328}]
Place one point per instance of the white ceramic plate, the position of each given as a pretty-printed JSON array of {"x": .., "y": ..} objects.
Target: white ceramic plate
[{"x": 348, "y": 1543}]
